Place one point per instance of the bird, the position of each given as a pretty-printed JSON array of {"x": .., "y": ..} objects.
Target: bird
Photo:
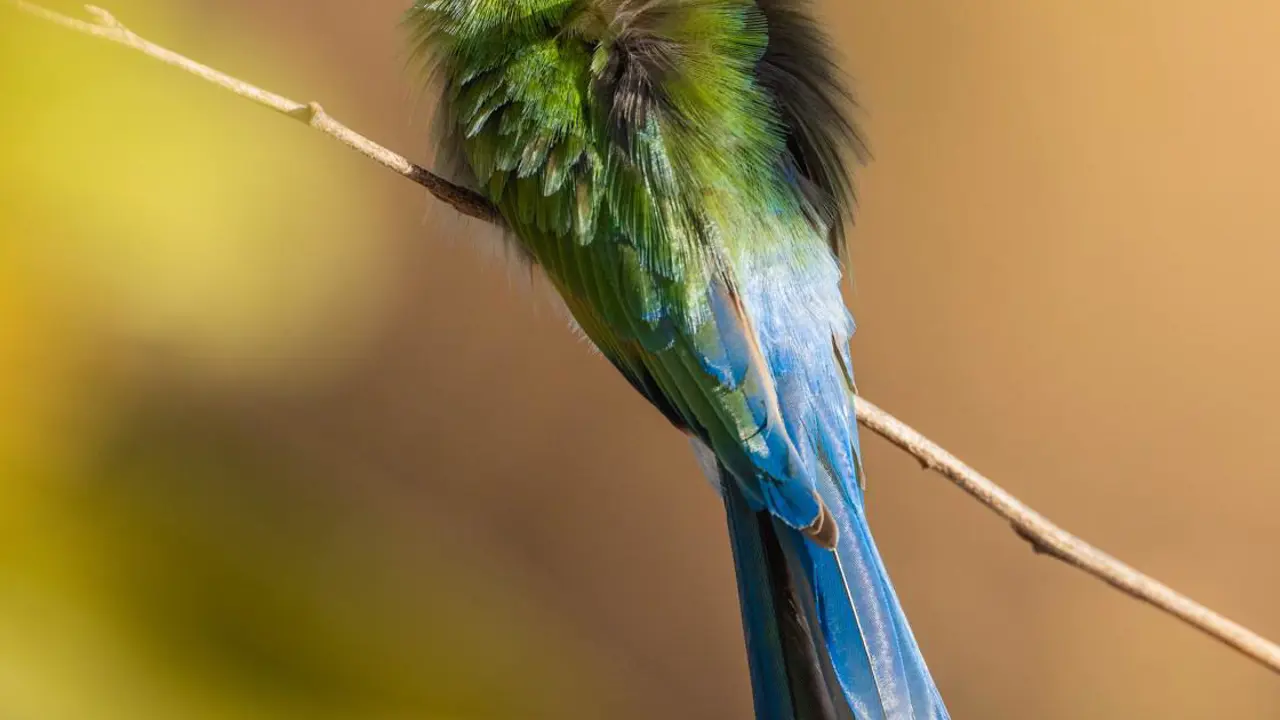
[{"x": 680, "y": 173}]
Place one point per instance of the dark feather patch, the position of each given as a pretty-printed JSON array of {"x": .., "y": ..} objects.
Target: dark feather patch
[
  {"x": 639, "y": 60},
  {"x": 800, "y": 72}
]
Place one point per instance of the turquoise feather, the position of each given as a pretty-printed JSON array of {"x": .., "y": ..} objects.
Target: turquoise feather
[{"x": 678, "y": 169}]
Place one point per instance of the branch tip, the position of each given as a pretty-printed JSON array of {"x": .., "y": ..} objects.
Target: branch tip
[{"x": 107, "y": 27}]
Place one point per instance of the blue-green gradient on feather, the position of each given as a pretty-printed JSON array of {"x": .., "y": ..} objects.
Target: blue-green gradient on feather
[{"x": 677, "y": 168}]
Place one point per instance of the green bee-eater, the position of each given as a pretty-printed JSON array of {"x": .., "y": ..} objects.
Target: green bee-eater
[{"x": 679, "y": 170}]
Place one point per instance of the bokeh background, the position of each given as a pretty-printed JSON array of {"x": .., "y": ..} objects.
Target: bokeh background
[{"x": 281, "y": 437}]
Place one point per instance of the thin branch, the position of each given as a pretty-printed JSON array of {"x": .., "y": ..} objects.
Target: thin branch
[
  {"x": 467, "y": 202},
  {"x": 1044, "y": 536}
]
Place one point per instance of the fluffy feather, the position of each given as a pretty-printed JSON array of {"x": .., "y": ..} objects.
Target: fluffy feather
[{"x": 680, "y": 169}]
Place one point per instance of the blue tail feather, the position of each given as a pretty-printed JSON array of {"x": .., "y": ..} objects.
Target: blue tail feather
[{"x": 826, "y": 636}]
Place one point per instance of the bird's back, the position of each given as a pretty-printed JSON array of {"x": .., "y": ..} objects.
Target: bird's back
[{"x": 676, "y": 167}]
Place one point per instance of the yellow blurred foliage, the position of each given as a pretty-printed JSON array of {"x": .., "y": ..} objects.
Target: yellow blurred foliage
[
  {"x": 164, "y": 209},
  {"x": 151, "y": 223}
]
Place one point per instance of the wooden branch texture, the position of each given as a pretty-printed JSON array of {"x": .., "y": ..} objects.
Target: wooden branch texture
[{"x": 1045, "y": 536}]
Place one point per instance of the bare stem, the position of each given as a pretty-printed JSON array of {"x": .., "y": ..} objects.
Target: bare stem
[
  {"x": 1050, "y": 539},
  {"x": 105, "y": 26},
  {"x": 1045, "y": 537}
]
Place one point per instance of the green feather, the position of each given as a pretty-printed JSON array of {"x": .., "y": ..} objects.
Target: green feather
[{"x": 635, "y": 154}]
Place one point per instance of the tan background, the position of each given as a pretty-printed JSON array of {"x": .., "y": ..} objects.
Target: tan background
[{"x": 283, "y": 443}]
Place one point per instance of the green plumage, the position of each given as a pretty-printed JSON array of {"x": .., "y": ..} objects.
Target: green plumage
[
  {"x": 634, "y": 155},
  {"x": 676, "y": 168}
]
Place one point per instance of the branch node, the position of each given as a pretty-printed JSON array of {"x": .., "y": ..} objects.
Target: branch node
[
  {"x": 1038, "y": 546},
  {"x": 105, "y": 19},
  {"x": 307, "y": 113}
]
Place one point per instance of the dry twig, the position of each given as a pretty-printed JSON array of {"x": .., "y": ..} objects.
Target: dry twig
[
  {"x": 467, "y": 202},
  {"x": 1044, "y": 536}
]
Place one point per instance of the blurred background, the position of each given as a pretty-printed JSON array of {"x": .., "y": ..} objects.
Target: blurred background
[{"x": 281, "y": 437}]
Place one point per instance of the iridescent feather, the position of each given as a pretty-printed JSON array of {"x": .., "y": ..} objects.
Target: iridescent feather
[{"x": 679, "y": 169}]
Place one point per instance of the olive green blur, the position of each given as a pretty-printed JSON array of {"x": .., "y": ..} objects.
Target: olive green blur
[{"x": 281, "y": 437}]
